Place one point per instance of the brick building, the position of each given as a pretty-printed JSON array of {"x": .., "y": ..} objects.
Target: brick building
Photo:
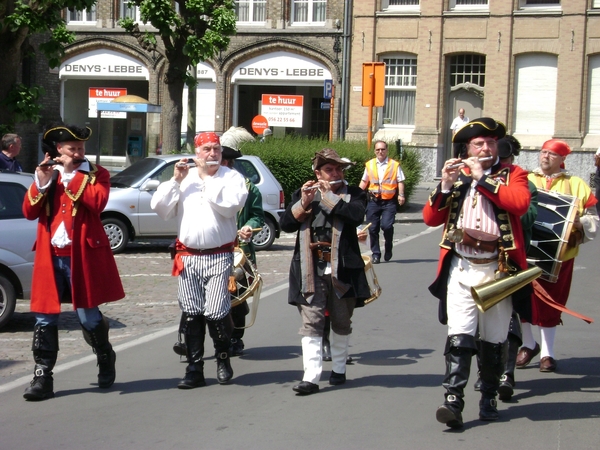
[
  {"x": 284, "y": 48},
  {"x": 532, "y": 64}
]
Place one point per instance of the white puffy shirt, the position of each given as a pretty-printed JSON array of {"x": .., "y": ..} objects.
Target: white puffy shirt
[{"x": 206, "y": 209}]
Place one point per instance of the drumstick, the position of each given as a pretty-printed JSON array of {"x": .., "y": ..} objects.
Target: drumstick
[
  {"x": 456, "y": 166},
  {"x": 316, "y": 186},
  {"x": 366, "y": 226}
]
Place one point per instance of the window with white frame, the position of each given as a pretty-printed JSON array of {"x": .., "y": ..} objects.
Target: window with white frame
[
  {"x": 251, "y": 10},
  {"x": 540, "y": 4},
  {"x": 467, "y": 68},
  {"x": 593, "y": 125},
  {"x": 535, "y": 93},
  {"x": 83, "y": 16},
  {"x": 399, "y": 5},
  {"x": 465, "y": 5},
  {"x": 309, "y": 12},
  {"x": 129, "y": 10},
  {"x": 596, "y": 4},
  {"x": 400, "y": 90}
]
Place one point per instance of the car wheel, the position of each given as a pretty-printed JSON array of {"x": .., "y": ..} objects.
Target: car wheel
[
  {"x": 265, "y": 237},
  {"x": 117, "y": 232},
  {"x": 8, "y": 300}
]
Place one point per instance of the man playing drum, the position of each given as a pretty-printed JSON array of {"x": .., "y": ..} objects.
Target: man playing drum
[
  {"x": 480, "y": 202},
  {"x": 551, "y": 176},
  {"x": 206, "y": 200},
  {"x": 327, "y": 270}
]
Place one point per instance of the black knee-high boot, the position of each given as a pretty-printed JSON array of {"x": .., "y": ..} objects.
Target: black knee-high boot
[
  {"x": 238, "y": 315},
  {"x": 220, "y": 332},
  {"x": 45, "y": 352},
  {"x": 493, "y": 357},
  {"x": 106, "y": 356},
  {"x": 179, "y": 346},
  {"x": 513, "y": 342},
  {"x": 194, "y": 332},
  {"x": 459, "y": 352}
]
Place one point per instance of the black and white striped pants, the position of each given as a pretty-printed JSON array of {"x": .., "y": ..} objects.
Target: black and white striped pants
[{"x": 203, "y": 285}]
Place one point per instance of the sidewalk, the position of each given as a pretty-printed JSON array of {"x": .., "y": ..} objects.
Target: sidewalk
[{"x": 412, "y": 212}]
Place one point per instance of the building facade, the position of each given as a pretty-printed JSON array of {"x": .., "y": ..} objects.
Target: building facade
[
  {"x": 532, "y": 64},
  {"x": 284, "y": 50}
]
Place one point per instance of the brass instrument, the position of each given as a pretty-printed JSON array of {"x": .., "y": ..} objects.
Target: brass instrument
[{"x": 488, "y": 294}]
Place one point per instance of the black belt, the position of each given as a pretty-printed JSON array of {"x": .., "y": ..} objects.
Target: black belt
[{"x": 477, "y": 260}]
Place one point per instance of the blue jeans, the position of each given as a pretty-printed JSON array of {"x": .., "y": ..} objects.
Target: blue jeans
[
  {"x": 381, "y": 214},
  {"x": 88, "y": 317}
]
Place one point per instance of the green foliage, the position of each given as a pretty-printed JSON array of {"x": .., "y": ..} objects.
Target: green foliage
[
  {"x": 290, "y": 158},
  {"x": 23, "y": 103}
]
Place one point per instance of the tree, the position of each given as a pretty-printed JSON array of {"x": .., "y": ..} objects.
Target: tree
[
  {"x": 20, "y": 19},
  {"x": 191, "y": 31}
]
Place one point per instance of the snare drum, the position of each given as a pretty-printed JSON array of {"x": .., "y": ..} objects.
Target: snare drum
[
  {"x": 551, "y": 231},
  {"x": 371, "y": 279},
  {"x": 247, "y": 279}
]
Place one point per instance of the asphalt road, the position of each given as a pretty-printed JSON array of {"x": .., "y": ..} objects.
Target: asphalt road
[{"x": 389, "y": 401}]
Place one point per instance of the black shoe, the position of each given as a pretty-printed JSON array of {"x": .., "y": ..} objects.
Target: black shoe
[
  {"x": 375, "y": 260},
  {"x": 477, "y": 385},
  {"x": 224, "y": 370},
  {"x": 349, "y": 359},
  {"x": 237, "y": 347},
  {"x": 450, "y": 415},
  {"x": 336, "y": 379},
  {"x": 41, "y": 388},
  {"x": 487, "y": 409},
  {"x": 106, "y": 369},
  {"x": 387, "y": 255},
  {"x": 306, "y": 388},
  {"x": 192, "y": 379},
  {"x": 505, "y": 390},
  {"x": 180, "y": 348}
]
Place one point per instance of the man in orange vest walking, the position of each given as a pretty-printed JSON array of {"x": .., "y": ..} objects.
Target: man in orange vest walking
[{"x": 384, "y": 181}]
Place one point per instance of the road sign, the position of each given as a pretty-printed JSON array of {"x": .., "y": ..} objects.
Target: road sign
[
  {"x": 325, "y": 105},
  {"x": 259, "y": 124},
  {"x": 327, "y": 90},
  {"x": 373, "y": 84}
]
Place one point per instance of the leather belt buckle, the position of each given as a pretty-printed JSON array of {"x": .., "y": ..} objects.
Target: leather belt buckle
[{"x": 324, "y": 255}]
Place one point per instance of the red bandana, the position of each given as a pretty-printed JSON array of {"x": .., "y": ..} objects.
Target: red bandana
[{"x": 206, "y": 138}]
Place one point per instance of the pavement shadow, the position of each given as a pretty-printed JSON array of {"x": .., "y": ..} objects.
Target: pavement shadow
[
  {"x": 130, "y": 387},
  {"x": 391, "y": 357},
  {"x": 271, "y": 353},
  {"x": 68, "y": 321}
]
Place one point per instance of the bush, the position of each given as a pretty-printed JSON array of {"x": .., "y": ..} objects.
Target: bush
[{"x": 289, "y": 159}]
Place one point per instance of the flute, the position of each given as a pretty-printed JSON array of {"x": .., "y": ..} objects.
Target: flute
[
  {"x": 316, "y": 186},
  {"x": 193, "y": 164},
  {"x": 456, "y": 166},
  {"x": 54, "y": 163}
]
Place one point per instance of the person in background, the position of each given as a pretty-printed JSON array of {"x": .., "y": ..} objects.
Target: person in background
[
  {"x": 72, "y": 254},
  {"x": 206, "y": 200},
  {"x": 551, "y": 176},
  {"x": 327, "y": 271},
  {"x": 11, "y": 147},
  {"x": 459, "y": 121},
  {"x": 479, "y": 201},
  {"x": 384, "y": 181}
]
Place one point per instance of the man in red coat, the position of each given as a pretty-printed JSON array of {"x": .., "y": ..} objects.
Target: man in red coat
[
  {"x": 72, "y": 254},
  {"x": 480, "y": 202}
]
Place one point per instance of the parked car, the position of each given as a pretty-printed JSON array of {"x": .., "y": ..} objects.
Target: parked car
[
  {"x": 16, "y": 243},
  {"x": 128, "y": 215}
]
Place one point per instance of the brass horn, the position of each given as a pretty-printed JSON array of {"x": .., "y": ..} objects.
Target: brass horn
[{"x": 488, "y": 294}]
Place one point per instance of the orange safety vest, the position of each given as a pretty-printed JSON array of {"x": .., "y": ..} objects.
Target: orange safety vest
[{"x": 387, "y": 187}]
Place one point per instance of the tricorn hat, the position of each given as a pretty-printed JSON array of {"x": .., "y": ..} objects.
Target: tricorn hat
[
  {"x": 230, "y": 153},
  {"x": 508, "y": 146},
  {"x": 329, "y": 155},
  {"x": 482, "y": 127},
  {"x": 59, "y": 132}
]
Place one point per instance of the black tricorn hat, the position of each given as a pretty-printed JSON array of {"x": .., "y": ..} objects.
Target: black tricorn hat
[
  {"x": 508, "y": 146},
  {"x": 230, "y": 153},
  {"x": 66, "y": 133},
  {"x": 482, "y": 127}
]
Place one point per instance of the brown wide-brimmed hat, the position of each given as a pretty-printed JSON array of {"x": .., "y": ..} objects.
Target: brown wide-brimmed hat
[
  {"x": 329, "y": 155},
  {"x": 482, "y": 127}
]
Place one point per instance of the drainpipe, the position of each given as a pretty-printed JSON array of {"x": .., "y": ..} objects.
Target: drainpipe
[{"x": 345, "y": 88}]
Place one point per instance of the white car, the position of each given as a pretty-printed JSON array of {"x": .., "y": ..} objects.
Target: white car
[
  {"x": 128, "y": 215},
  {"x": 16, "y": 243}
]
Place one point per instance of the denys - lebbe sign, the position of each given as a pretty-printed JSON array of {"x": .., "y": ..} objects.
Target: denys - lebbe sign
[{"x": 283, "y": 110}]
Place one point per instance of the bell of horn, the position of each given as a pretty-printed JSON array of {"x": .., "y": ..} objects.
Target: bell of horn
[{"x": 488, "y": 294}]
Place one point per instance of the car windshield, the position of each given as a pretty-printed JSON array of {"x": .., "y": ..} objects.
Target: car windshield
[
  {"x": 136, "y": 173},
  {"x": 247, "y": 169}
]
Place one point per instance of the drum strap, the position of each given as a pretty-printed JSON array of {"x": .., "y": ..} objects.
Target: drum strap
[{"x": 545, "y": 297}]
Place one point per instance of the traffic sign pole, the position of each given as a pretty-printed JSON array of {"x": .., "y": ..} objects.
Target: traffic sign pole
[{"x": 331, "y": 108}]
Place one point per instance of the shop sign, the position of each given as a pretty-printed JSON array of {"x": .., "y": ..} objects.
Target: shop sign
[{"x": 283, "y": 110}]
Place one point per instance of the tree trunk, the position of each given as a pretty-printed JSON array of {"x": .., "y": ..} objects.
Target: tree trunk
[
  {"x": 172, "y": 106},
  {"x": 11, "y": 45}
]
